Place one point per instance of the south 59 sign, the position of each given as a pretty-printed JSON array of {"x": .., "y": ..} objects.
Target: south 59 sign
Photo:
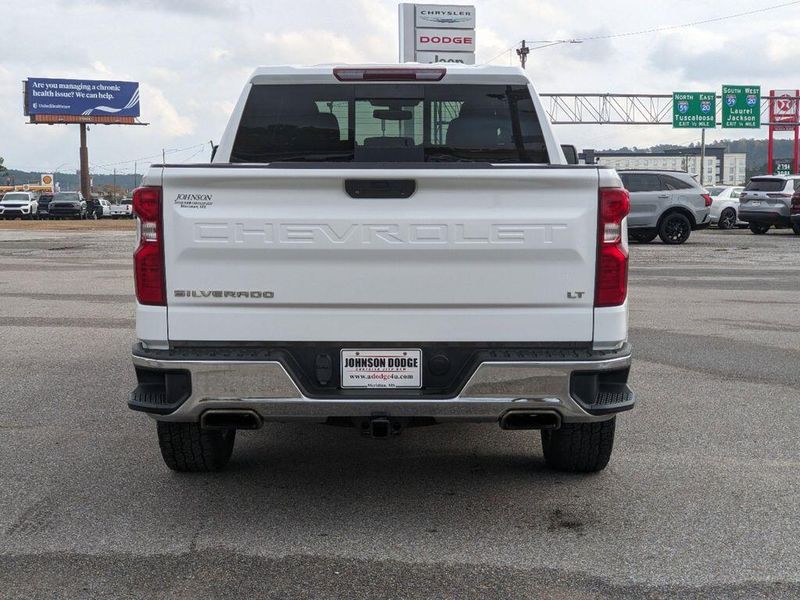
[{"x": 694, "y": 110}]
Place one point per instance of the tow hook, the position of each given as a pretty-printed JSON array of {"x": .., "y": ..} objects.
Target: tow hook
[{"x": 380, "y": 427}]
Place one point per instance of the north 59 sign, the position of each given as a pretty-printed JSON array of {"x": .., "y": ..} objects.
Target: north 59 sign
[
  {"x": 741, "y": 106},
  {"x": 694, "y": 110}
]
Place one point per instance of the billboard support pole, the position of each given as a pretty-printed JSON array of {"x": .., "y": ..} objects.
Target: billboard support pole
[{"x": 85, "y": 186}]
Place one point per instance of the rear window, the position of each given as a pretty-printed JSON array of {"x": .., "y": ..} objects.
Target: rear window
[
  {"x": 389, "y": 123},
  {"x": 715, "y": 191},
  {"x": 766, "y": 185},
  {"x": 673, "y": 183}
]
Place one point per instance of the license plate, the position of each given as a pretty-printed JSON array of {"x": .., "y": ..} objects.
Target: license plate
[{"x": 381, "y": 369}]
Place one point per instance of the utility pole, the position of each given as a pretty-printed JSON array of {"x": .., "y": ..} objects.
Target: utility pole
[
  {"x": 114, "y": 189},
  {"x": 702, "y": 156},
  {"x": 523, "y": 52}
]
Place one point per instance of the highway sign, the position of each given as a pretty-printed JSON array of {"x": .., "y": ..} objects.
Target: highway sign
[
  {"x": 741, "y": 106},
  {"x": 694, "y": 110}
]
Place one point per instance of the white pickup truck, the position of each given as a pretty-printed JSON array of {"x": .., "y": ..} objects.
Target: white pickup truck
[{"x": 383, "y": 247}]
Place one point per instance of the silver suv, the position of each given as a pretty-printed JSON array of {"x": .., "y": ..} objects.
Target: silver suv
[
  {"x": 667, "y": 204},
  {"x": 767, "y": 201}
]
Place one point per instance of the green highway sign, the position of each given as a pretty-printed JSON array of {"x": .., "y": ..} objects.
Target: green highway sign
[
  {"x": 694, "y": 110},
  {"x": 782, "y": 166},
  {"x": 741, "y": 106}
]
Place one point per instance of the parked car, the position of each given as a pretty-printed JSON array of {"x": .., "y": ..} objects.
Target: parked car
[
  {"x": 357, "y": 286},
  {"x": 725, "y": 206},
  {"x": 667, "y": 204},
  {"x": 123, "y": 210},
  {"x": 44, "y": 203},
  {"x": 67, "y": 205},
  {"x": 102, "y": 208},
  {"x": 766, "y": 202},
  {"x": 19, "y": 205},
  {"x": 794, "y": 213}
]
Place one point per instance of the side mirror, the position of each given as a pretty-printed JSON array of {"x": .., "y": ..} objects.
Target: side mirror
[{"x": 570, "y": 153}]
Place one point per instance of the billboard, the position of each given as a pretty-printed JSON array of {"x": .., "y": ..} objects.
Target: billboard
[
  {"x": 432, "y": 33},
  {"x": 81, "y": 101}
]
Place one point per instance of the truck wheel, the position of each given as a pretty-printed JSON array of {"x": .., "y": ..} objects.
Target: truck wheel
[
  {"x": 642, "y": 236},
  {"x": 796, "y": 228},
  {"x": 727, "y": 220},
  {"x": 759, "y": 228},
  {"x": 579, "y": 447},
  {"x": 186, "y": 447},
  {"x": 675, "y": 228}
]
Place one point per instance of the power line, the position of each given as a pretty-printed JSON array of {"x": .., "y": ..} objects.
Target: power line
[
  {"x": 143, "y": 158},
  {"x": 690, "y": 24},
  {"x": 548, "y": 43}
]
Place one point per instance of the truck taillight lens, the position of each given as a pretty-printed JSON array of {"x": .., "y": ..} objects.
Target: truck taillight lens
[
  {"x": 148, "y": 259},
  {"x": 611, "y": 287},
  {"x": 708, "y": 199}
]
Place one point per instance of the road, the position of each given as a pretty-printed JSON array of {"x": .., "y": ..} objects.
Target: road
[{"x": 700, "y": 498}]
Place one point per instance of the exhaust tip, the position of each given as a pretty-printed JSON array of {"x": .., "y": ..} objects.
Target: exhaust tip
[
  {"x": 230, "y": 419},
  {"x": 526, "y": 419}
]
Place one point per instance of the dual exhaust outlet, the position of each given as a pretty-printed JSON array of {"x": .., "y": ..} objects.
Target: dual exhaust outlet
[{"x": 379, "y": 427}]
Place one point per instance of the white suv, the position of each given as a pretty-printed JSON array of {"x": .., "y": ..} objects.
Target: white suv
[{"x": 21, "y": 205}]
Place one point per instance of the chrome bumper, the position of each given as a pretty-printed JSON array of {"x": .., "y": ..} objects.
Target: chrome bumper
[{"x": 495, "y": 388}]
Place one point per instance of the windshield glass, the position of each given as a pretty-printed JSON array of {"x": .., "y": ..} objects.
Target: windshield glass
[
  {"x": 66, "y": 197},
  {"x": 389, "y": 123},
  {"x": 16, "y": 197}
]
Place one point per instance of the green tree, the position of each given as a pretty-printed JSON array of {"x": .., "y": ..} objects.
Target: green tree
[{"x": 2, "y": 168}]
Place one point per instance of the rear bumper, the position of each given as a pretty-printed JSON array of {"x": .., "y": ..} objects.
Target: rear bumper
[
  {"x": 587, "y": 390},
  {"x": 767, "y": 217}
]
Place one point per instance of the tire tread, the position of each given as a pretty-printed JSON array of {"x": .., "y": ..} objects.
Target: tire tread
[
  {"x": 186, "y": 447},
  {"x": 579, "y": 447}
]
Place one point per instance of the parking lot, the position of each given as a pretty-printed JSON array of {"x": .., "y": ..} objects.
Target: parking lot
[{"x": 700, "y": 498}]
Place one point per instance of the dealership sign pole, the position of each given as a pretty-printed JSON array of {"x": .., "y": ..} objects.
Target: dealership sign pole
[
  {"x": 783, "y": 116},
  {"x": 71, "y": 101},
  {"x": 437, "y": 33}
]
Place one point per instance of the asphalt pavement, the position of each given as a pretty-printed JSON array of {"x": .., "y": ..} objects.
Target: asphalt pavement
[{"x": 701, "y": 498}]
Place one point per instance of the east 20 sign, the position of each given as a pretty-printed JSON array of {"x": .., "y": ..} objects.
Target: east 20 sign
[
  {"x": 741, "y": 106},
  {"x": 694, "y": 110}
]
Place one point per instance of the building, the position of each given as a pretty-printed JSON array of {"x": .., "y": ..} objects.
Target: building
[{"x": 721, "y": 167}]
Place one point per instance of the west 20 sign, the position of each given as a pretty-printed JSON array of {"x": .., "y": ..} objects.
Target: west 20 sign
[{"x": 741, "y": 106}]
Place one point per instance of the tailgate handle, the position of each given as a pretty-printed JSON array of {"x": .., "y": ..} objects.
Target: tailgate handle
[{"x": 380, "y": 188}]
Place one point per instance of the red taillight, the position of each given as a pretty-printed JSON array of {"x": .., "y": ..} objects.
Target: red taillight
[
  {"x": 148, "y": 259},
  {"x": 795, "y": 203},
  {"x": 611, "y": 286},
  {"x": 388, "y": 74},
  {"x": 708, "y": 200}
]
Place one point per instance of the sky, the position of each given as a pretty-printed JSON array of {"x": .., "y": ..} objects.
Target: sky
[{"x": 192, "y": 58}]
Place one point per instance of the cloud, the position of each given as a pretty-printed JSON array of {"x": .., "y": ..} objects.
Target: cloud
[
  {"x": 162, "y": 114},
  {"x": 203, "y": 8}
]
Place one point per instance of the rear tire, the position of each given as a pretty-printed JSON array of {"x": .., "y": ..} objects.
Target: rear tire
[
  {"x": 759, "y": 228},
  {"x": 188, "y": 448},
  {"x": 727, "y": 219},
  {"x": 675, "y": 228},
  {"x": 644, "y": 236},
  {"x": 579, "y": 447},
  {"x": 796, "y": 228}
]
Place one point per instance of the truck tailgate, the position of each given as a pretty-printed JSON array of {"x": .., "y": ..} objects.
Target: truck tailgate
[{"x": 474, "y": 254}]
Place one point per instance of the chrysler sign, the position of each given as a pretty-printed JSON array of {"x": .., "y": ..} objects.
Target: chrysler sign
[
  {"x": 452, "y": 17},
  {"x": 431, "y": 33}
]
